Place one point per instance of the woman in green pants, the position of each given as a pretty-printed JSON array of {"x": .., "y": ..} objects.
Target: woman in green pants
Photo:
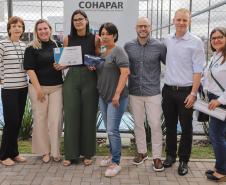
[{"x": 80, "y": 96}]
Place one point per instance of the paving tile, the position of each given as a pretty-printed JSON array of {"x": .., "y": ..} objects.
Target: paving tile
[{"x": 35, "y": 172}]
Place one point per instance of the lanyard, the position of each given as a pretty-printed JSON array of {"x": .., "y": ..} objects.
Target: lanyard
[
  {"x": 19, "y": 52},
  {"x": 212, "y": 63}
]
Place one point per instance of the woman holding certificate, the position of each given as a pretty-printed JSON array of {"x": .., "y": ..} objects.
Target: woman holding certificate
[
  {"x": 112, "y": 78},
  {"x": 215, "y": 83},
  {"x": 45, "y": 91},
  {"x": 13, "y": 81},
  {"x": 80, "y": 96}
]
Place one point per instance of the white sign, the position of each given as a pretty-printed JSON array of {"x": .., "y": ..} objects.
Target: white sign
[{"x": 123, "y": 13}]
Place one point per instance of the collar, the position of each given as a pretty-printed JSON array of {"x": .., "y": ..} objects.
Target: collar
[
  {"x": 217, "y": 55},
  {"x": 186, "y": 36},
  {"x": 148, "y": 41}
]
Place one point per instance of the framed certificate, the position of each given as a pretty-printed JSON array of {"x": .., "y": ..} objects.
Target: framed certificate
[{"x": 68, "y": 56}]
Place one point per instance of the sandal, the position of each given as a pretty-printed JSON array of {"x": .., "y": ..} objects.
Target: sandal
[
  {"x": 213, "y": 177},
  {"x": 66, "y": 162},
  {"x": 87, "y": 162},
  {"x": 46, "y": 158},
  {"x": 8, "y": 162},
  {"x": 20, "y": 159},
  {"x": 57, "y": 159}
]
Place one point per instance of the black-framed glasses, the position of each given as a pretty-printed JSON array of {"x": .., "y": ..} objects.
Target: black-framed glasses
[
  {"x": 143, "y": 26},
  {"x": 78, "y": 20},
  {"x": 217, "y": 38}
]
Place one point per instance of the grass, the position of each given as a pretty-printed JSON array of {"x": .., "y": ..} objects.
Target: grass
[{"x": 198, "y": 152}]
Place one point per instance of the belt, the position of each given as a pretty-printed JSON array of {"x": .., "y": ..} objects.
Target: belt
[{"x": 178, "y": 88}]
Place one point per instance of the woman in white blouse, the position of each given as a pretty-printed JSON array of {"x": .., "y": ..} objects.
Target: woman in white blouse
[{"x": 215, "y": 83}]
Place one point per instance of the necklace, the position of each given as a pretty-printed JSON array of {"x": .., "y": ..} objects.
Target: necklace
[{"x": 19, "y": 52}]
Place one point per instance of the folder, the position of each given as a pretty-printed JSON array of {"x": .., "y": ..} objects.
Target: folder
[{"x": 202, "y": 106}]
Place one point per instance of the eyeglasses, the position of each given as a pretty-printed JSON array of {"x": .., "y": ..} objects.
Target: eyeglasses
[
  {"x": 217, "y": 38},
  {"x": 78, "y": 20},
  {"x": 145, "y": 26}
]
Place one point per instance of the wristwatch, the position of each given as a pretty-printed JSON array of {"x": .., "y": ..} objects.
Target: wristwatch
[{"x": 193, "y": 94}]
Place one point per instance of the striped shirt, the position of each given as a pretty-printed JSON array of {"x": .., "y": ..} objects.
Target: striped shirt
[{"x": 12, "y": 74}]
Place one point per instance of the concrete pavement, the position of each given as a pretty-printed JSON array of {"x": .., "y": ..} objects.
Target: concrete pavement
[{"x": 35, "y": 172}]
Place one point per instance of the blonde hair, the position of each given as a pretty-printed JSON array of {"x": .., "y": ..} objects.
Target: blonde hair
[
  {"x": 36, "y": 43},
  {"x": 183, "y": 10}
]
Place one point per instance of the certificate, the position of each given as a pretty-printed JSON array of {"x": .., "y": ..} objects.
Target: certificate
[
  {"x": 202, "y": 106},
  {"x": 68, "y": 56}
]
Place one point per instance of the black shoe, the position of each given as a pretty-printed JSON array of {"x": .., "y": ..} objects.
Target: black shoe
[
  {"x": 183, "y": 168},
  {"x": 169, "y": 161},
  {"x": 216, "y": 179},
  {"x": 209, "y": 172}
]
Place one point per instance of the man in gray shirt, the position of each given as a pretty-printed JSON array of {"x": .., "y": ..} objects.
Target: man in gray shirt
[{"x": 145, "y": 54}]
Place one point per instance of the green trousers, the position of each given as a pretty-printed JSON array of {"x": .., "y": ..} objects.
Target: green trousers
[{"x": 80, "y": 99}]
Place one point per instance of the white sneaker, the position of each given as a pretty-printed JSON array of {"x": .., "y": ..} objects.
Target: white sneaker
[
  {"x": 105, "y": 162},
  {"x": 112, "y": 170}
]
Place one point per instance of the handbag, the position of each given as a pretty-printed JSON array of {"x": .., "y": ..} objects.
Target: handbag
[{"x": 201, "y": 116}]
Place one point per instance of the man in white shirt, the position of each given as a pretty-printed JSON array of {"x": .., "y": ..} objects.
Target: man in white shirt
[{"x": 184, "y": 65}]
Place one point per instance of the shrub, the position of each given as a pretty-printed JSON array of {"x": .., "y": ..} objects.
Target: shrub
[{"x": 26, "y": 126}]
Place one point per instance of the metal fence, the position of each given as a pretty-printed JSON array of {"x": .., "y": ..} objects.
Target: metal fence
[
  {"x": 211, "y": 13},
  {"x": 206, "y": 14},
  {"x": 31, "y": 11}
]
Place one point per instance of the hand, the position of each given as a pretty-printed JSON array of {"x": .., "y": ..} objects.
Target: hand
[
  {"x": 189, "y": 101},
  {"x": 92, "y": 68},
  {"x": 58, "y": 67},
  {"x": 213, "y": 104},
  {"x": 97, "y": 40},
  {"x": 40, "y": 95},
  {"x": 115, "y": 100}
]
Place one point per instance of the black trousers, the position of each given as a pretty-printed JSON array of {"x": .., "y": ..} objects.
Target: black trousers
[
  {"x": 13, "y": 102},
  {"x": 173, "y": 109}
]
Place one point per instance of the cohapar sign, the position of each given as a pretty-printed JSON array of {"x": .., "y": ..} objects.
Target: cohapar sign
[{"x": 123, "y": 13}]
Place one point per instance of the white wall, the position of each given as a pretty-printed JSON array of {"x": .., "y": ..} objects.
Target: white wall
[{"x": 123, "y": 16}]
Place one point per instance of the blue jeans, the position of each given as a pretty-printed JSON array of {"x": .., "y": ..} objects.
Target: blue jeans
[
  {"x": 112, "y": 118},
  {"x": 217, "y": 133}
]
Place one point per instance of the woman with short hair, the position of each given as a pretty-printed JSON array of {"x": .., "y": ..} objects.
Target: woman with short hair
[
  {"x": 112, "y": 78},
  {"x": 14, "y": 89}
]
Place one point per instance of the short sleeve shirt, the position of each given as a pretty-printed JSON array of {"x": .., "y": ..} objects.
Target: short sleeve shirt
[{"x": 109, "y": 73}]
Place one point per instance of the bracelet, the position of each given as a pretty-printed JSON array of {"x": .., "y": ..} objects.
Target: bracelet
[{"x": 193, "y": 94}]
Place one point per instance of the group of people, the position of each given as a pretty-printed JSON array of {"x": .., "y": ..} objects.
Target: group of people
[{"x": 72, "y": 93}]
